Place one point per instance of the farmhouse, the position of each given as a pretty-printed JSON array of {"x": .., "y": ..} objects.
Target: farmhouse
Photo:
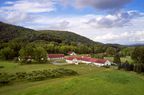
[
  {"x": 74, "y": 60},
  {"x": 71, "y": 53},
  {"x": 88, "y": 60},
  {"x": 55, "y": 56}
]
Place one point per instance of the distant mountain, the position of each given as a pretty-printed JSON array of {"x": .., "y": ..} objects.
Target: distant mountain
[
  {"x": 116, "y": 45},
  {"x": 9, "y": 32},
  {"x": 135, "y": 45}
]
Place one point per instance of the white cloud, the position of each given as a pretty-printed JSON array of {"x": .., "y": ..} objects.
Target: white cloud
[
  {"x": 119, "y": 19},
  {"x": 59, "y": 25},
  {"x": 9, "y": 2},
  {"x": 30, "y": 6},
  {"x": 129, "y": 37},
  {"x": 20, "y": 10}
]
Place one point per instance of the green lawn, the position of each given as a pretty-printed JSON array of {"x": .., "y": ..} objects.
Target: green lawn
[{"x": 91, "y": 81}]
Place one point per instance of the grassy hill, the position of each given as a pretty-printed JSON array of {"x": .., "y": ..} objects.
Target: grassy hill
[
  {"x": 90, "y": 81},
  {"x": 68, "y": 36},
  {"x": 9, "y": 32}
]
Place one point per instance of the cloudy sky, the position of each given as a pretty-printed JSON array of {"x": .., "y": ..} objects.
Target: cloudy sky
[{"x": 107, "y": 21}]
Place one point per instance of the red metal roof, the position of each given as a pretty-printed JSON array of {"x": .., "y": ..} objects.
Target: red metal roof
[
  {"x": 55, "y": 55},
  {"x": 98, "y": 60},
  {"x": 73, "y": 57},
  {"x": 88, "y": 59},
  {"x": 70, "y": 52}
]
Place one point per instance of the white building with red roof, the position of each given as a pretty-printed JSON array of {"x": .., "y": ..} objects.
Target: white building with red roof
[
  {"x": 71, "y": 53},
  {"x": 88, "y": 60},
  {"x": 55, "y": 56}
]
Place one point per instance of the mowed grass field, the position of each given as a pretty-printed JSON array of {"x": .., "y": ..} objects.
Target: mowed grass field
[{"x": 90, "y": 81}]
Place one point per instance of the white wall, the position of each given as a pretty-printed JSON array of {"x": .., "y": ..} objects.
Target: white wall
[
  {"x": 55, "y": 58},
  {"x": 98, "y": 64},
  {"x": 69, "y": 61},
  {"x": 75, "y": 61},
  {"x": 108, "y": 63}
]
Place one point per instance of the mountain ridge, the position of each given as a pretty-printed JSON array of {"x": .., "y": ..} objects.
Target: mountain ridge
[{"x": 9, "y": 32}]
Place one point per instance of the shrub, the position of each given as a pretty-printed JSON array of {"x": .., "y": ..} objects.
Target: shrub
[
  {"x": 45, "y": 74},
  {"x": 21, "y": 75},
  {"x": 106, "y": 66},
  {"x": 1, "y": 66},
  {"x": 139, "y": 68},
  {"x": 6, "y": 78}
]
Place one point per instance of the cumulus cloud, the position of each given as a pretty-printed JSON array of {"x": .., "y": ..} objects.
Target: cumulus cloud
[
  {"x": 119, "y": 19},
  {"x": 129, "y": 37},
  {"x": 60, "y": 25},
  {"x": 30, "y": 6},
  {"x": 20, "y": 10}
]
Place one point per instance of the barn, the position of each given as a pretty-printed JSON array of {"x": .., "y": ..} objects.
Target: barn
[
  {"x": 55, "y": 56},
  {"x": 88, "y": 60}
]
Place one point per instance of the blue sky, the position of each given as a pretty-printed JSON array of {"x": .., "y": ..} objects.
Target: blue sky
[{"x": 107, "y": 21}]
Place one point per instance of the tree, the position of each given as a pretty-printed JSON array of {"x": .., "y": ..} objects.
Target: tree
[
  {"x": 117, "y": 59},
  {"x": 40, "y": 54},
  {"x": 127, "y": 51},
  {"x": 138, "y": 55},
  {"x": 16, "y": 45},
  {"x": 27, "y": 51},
  {"x": 7, "y": 53},
  {"x": 111, "y": 51},
  {"x": 32, "y": 51},
  {"x": 83, "y": 49}
]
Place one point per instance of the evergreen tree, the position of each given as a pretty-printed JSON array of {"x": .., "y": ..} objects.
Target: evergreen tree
[{"x": 117, "y": 59}]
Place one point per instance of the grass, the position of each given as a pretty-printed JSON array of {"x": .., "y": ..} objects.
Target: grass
[{"x": 91, "y": 81}]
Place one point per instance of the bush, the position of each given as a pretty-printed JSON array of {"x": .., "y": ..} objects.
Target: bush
[
  {"x": 6, "y": 78},
  {"x": 45, "y": 74},
  {"x": 139, "y": 68},
  {"x": 1, "y": 66},
  {"x": 21, "y": 75},
  {"x": 35, "y": 75},
  {"x": 106, "y": 66}
]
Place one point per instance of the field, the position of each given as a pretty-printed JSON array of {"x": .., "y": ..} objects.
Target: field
[{"x": 90, "y": 81}]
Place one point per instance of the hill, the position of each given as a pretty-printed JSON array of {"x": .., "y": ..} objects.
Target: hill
[
  {"x": 67, "y": 37},
  {"x": 9, "y": 32}
]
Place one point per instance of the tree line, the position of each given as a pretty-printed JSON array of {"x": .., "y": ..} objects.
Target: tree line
[
  {"x": 39, "y": 49},
  {"x": 138, "y": 56}
]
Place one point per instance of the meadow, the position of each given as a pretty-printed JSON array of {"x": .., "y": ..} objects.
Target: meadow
[{"x": 91, "y": 80}]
